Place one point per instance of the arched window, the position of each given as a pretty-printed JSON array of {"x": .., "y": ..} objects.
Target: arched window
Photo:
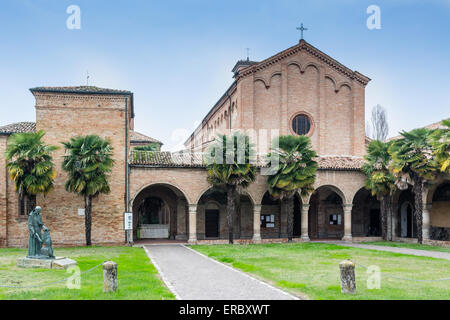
[{"x": 301, "y": 124}]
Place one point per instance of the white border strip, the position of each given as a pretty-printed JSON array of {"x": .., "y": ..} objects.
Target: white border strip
[
  {"x": 163, "y": 277},
  {"x": 245, "y": 274}
]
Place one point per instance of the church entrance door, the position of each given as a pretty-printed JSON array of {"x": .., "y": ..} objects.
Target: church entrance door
[{"x": 212, "y": 223}]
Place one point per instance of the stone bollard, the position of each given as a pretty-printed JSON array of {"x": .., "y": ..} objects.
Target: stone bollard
[
  {"x": 348, "y": 282},
  {"x": 109, "y": 276}
]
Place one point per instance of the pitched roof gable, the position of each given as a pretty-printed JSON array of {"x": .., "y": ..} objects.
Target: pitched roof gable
[
  {"x": 139, "y": 138},
  {"x": 305, "y": 46}
]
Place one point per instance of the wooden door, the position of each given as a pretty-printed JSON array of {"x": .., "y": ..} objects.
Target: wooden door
[{"x": 212, "y": 223}]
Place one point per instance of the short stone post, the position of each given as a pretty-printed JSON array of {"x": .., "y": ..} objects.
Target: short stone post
[
  {"x": 109, "y": 276},
  {"x": 348, "y": 282}
]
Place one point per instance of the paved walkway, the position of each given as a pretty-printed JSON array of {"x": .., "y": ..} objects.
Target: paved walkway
[
  {"x": 414, "y": 252},
  {"x": 193, "y": 276}
]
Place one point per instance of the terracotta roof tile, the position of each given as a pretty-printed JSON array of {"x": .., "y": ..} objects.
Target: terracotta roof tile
[
  {"x": 195, "y": 160},
  {"x": 140, "y": 138},
  {"x": 432, "y": 126},
  {"x": 19, "y": 127},
  {"x": 80, "y": 89}
]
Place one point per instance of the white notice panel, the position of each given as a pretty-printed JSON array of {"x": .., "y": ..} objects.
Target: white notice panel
[{"x": 128, "y": 220}]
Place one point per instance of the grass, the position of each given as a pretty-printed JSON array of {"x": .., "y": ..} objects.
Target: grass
[
  {"x": 409, "y": 246},
  {"x": 312, "y": 269},
  {"x": 137, "y": 277}
]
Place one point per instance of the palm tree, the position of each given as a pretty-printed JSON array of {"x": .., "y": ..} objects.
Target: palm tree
[
  {"x": 30, "y": 166},
  {"x": 440, "y": 140},
  {"x": 413, "y": 164},
  {"x": 228, "y": 166},
  {"x": 296, "y": 172},
  {"x": 88, "y": 161},
  {"x": 380, "y": 181}
]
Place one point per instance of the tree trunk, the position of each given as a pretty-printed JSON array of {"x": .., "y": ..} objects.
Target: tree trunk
[
  {"x": 231, "y": 210},
  {"x": 238, "y": 214},
  {"x": 290, "y": 217},
  {"x": 88, "y": 218},
  {"x": 418, "y": 205},
  {"x": 383, "y": 209},
  {"x": 389, "y": 213}
]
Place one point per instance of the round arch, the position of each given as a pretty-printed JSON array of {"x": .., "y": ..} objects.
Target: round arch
[
  {"x": 333, "y": 188},
  {"x": 366, "y": 215},
  {"x": 159, "y": 212},
  {"x": 326, "y": 213},
  {"x": 243, "y": 193},
  {"x": 174, "y": 187}
]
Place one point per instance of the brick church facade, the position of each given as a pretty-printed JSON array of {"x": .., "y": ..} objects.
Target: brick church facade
[{"x": 300, "y": 90}]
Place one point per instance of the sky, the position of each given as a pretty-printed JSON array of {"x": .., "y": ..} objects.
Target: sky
[{"x": 177, "y": 55}]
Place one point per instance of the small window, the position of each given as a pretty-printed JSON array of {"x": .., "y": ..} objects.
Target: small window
[
  {"x": 268, "y": 221},
  {"x": 22, "y": 208},
  {"x": 301, "y": 124},
  {"x": 26, "y": 205},
  {"x": 335, "y": 219}
]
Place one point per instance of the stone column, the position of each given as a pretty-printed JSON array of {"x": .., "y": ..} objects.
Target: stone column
[
  {"x": 426, "y": 221},
  {"x": 347, "y": 222},
  {"x": 192, "y": 223},
  {"x": 257, "y": 222},
  {"x": 304, "y": 220}
]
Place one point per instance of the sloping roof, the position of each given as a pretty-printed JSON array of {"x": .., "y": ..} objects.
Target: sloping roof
[
  {"x": 136, "y": 137},
  {"x": 195, "y": 160},
  {"x": 436, "y": 125},
  {"x": 80, "y": 89},
  {"x": 18, "y": 127},
  {"x": 432, "y": 126},
  {"x": 340, "y": 163},
  {"x": 243, "y": 63},
  {"x": 307, "y": 47}
]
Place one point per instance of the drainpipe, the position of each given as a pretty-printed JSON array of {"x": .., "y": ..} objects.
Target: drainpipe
[
  {"x": 229, "y": 112},
  {"x": 126, "y": 165}
]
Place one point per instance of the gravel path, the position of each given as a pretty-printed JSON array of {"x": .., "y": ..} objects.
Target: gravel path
[
  {"x": 193, "y": 276},
  {"x": 414, "y": 252}
]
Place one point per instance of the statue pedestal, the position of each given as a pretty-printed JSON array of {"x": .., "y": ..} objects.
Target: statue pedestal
[{"x": 57, "y": 263}]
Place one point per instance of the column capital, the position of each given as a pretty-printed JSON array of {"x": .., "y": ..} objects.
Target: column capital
[
  {"x": 427, "y": 206},
  {"x": 192, "y": 208},
  {"x": 347, "y": 206},
  {"x": 257, "y": 207},
  {"x": 306, "y": 206}
]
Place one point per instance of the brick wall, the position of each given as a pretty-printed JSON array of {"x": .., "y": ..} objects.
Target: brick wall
[
  {"x": 270, "y": 97},
  {"x": 3, "y": 193},
  {"x": 63, "y": 116}
]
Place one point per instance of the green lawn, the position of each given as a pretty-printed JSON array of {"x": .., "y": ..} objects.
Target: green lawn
[
  {"x": 137, "y": 277},
  {"x": 312, "y": 269},
  {"x": 409, "y": 246}
]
